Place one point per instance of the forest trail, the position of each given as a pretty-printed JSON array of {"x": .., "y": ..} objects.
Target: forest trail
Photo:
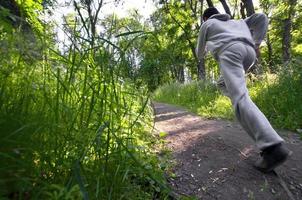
[{"x": 214, "y": 159}]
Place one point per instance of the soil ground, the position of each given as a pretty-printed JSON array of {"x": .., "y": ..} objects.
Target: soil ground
[{"x": 214, "y": 159}]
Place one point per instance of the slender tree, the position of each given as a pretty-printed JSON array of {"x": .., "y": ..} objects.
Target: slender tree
[
  {"x": 226, "y": 7},
  {"x": 248, "y": 6},
  {"x": 267, "y": 8},
  {"x": 287, "y": 27},
  {"x": 210, "y": 3},
  {"x": 201, "y": 72},
  {"x": 242, "y": 10}
]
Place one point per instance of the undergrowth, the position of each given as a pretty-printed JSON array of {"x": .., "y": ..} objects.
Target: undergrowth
[
  {"x": 277, "y": 95},
  {"x": 280, "y": 97},
  {"x": 199, "y": 97},
  {"x": 70, "y": 128}
]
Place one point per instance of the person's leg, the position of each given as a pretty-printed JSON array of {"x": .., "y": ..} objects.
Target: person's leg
[{"x": 232, "y": 63}]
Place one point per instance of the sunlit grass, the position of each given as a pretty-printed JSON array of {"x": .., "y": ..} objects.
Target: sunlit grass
[
  {"x": 71, "y": 129},
  {"x": 199, "y": 97},
  {"x": 277, "y": 95}
]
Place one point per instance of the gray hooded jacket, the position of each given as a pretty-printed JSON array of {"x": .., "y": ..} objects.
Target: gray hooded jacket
[{"x": 220, "y": 32}]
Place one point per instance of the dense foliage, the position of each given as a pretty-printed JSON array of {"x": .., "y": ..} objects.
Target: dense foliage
[
  {"x": 176, "y": 23},
  {"x": 280, "y": 58},
  {"x": 71, "y": 126}
]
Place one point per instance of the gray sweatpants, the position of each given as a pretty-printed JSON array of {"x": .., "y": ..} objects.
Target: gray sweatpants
[{"x": 233, "y": 62}]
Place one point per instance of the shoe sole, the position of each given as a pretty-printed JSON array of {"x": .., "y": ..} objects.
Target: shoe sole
[{"x": 280, "y": 162}]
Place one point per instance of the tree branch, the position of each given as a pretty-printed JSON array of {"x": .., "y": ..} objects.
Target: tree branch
[
  {"x": 81, "y": 16},
  {"x": 185, "y": 32}
]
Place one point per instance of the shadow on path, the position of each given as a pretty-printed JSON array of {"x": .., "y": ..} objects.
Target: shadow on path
[{"x": 215, "y": 158}]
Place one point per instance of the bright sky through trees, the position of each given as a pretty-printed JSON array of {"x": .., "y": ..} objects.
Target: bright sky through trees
[
  {"x": 144, "y": 7},
  {"x": 65, "y": 7}
]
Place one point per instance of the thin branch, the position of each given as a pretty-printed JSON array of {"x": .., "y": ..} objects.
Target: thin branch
[
  {"x": 184, "y": 30},
  {"x": 82, "y": 19},
  {"x": 100, "y": 4}
]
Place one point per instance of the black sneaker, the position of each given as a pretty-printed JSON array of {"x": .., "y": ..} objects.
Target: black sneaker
[{"x": 272, "y": 157}]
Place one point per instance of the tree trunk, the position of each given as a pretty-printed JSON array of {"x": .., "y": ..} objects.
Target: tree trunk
[
  {"x": 270, "y": 53},
  {"x": 242, "y": 11},
  {"x": 201, "y": 11},
  {"x": 181, "y": 74},
  {"x": 226, "y": 7},
  {"x": 201, "y": 72},
  {"x": 249, "y": 6},
  {"x": 286, "y": 37},
  {"x": 210, "y": 3}
]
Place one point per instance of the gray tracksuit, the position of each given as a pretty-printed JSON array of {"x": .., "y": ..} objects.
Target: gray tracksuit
[{"x": 232, "y": 43}]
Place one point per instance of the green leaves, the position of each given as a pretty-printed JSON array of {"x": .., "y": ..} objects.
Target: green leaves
[
  {"x": 72, "y": 123},
  {"x": 5, "y": 23},
  {"x": 30, "y": 9}
]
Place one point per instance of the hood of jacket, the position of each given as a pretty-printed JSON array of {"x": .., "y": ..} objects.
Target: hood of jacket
[{"x": 221, "y": 17}]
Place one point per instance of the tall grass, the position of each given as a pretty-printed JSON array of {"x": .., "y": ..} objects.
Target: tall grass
[
  {"x": 71, "y": 129},
  {"x": 280, "y": 98},
  {"x": 277, "y": 95},
  {"x": 199, "y": 97}
]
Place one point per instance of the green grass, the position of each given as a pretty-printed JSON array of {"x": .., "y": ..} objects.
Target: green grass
[
  {"x": 199, "y": 97},
  {"x": 71, "y": 129},
  {"x": 278, "y": 96}
]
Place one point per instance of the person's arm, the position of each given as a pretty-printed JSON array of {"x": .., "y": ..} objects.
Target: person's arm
[
  {"x": 201, "y": 42},
  {"x": 258, "y": 24}
]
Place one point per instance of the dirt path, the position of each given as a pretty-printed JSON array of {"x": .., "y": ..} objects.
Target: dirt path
[{"x": 215, "y": 157}]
